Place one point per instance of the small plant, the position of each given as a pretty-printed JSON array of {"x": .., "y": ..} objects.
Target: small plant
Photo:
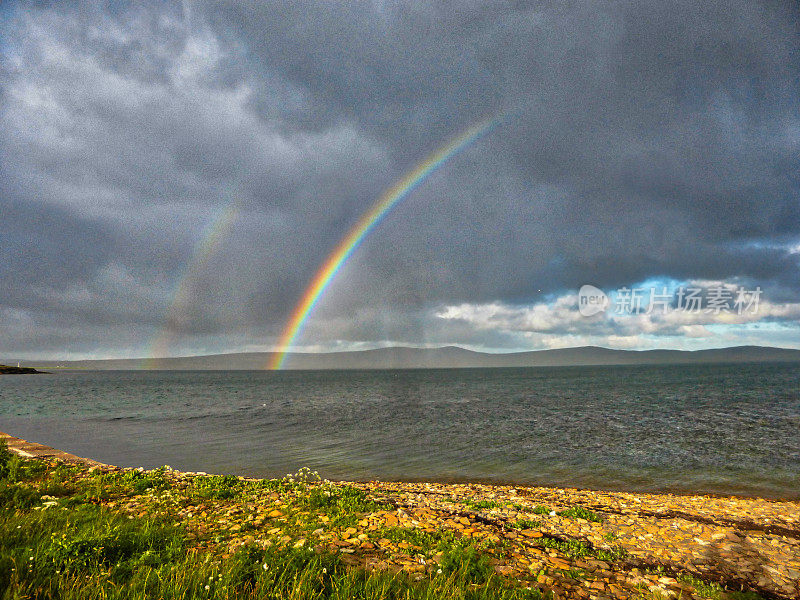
[
  {"x": 303, "y": 476},
  {"x": 526, "y": 524},
  {"x": 15, "y": 469},
  {"x": 216, "y": 487},
  {"x": 578, "y": 512},
  {"x": 480, "y": 504},
  {"x": 579, "y": 549},
  {"x": 468, "y": 562},
  {"x": 542, "y": 510},
  {"x": 342, "y": 503},
  {"x": 18, "y": 496},
  {"x": 426, "y": 542},
  {"x": 135, "y": 481},
  {"x": 574, "y": 573},
  {"x": 609, "y": 536},
  {"x": 704, "y": 589},
  {"x": 5, "y": 457}
]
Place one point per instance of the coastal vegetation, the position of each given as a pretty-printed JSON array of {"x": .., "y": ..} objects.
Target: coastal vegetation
[
  {"x": 76, "y": 531},
  {"x": 59, "y": 538}
]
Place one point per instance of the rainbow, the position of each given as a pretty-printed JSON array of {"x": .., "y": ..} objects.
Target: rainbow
[
  {"x": 212, "y": 236},
  {"x": 368, "y": 221}
]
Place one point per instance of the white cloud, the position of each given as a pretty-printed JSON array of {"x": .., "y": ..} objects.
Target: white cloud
[{"x": 558, "y": 323}]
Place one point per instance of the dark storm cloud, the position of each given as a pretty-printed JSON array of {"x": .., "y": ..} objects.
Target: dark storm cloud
[{"x": 640, "y": 140}]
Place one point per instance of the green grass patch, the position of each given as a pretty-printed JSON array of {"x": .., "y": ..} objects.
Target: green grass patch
[
  {"x": 542, "y": 510},
  {"x": 5, "y": 458},
  {"x": 578, "y": 512},
  {"x": 422, "y": 540},
  {"x": 344, "y": 504},
  {"x": 133, "y": 481},
  {"x": 67, "y": 547},
  {"x": 526, "y": 524},
  {"x": 214, "y": 487},
  {"x": 714, "y": 591},
  {"x": 480, "y": 504},
  {"x": 579, "y": 549},
  {"x": 89, "y": 553},
  {"x": 88, "y": 541},
  {"x": 469, "y": 561}
]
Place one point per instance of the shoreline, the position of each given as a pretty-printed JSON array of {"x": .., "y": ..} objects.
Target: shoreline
[
  {"x": 563, "y": 540},
  {"x": 42, "y": 450}
]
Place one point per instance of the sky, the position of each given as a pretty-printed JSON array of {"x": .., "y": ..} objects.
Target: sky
[{"x": 642, "y": 145}]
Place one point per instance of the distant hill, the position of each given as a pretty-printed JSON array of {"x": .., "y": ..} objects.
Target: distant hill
[{"x": 446, "y": 357}]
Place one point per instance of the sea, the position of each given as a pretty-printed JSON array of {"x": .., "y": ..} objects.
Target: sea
[{"x": 711, "y": 429}]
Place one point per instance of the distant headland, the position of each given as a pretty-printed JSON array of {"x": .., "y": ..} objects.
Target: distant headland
[{"x": 8, "y": 370}]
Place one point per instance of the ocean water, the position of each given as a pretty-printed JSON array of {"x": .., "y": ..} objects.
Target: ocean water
[{"x": 730, "y": 429}]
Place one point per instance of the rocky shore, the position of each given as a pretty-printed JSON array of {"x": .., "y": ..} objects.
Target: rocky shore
[{"x": 568, "y": 543}]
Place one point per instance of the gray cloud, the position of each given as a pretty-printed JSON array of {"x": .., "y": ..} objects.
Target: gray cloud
[{"x": 640, "y": 141}]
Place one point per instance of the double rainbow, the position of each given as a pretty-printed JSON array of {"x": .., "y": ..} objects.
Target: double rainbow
[
  {"x": 368, "y": 221},
  {"x": 209, "y": 241}
]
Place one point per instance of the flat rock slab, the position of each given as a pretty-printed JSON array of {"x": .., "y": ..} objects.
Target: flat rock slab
[{"x": 28, "y": 449}]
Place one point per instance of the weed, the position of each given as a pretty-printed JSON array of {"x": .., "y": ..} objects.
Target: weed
[
  {"x": 135, "y": 481},
  {"x": 526, "y": 524},
  {"x": 578, "y": 512},
  {"x": 18, "y": 496},
  {"x": 215, "y": 487},
  {"x": 713, "y": 590},
  {"x": 480, "y": 504},
  {"x": 5, "y": 457},
  {"x": 70, "y": 548},
  {"x": 424, "y": 541},
  {"x": 577, "y": 574},
  {"x": 467, "y": 560},
  {"x": 579, "y": 549},
  {"x": 343, "y": 504}
]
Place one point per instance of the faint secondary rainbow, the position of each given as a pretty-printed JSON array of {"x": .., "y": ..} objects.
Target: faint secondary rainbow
[
  {"x": 368, "y": 221},
  {"x": 208, "y": 243}
]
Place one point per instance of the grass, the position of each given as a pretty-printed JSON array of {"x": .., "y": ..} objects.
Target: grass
[
  {"x": 340, "y": 503},
  {"x": 579, "y": 549},
  {"x": 89, "y": 553},
  {"x": 705, "y": 589},
  {"x": 714, "y": 591},
  {"x": 542, "y": 510},
  {"x": 418, "y": 539},
  {"x": 578, "y": 512},
  {"x": 526, "y": 524},
  {"x": 480, "y": 504},
  {"x": 59, "y": 541}
]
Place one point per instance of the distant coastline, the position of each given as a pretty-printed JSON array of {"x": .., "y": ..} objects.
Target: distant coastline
[{"x": 448, "y": 357}]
